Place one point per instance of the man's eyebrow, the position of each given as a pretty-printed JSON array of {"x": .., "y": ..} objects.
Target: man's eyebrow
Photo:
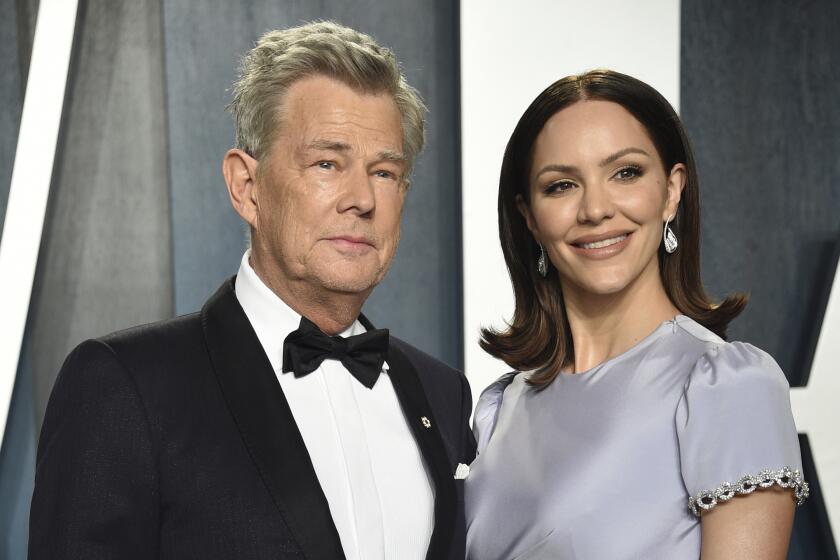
[
  {"x": 621, "y": 153},
  {"x": 339, "y": 146},
  {"x": 392, "y": 156},
  {"x": 330, "y": 145}
]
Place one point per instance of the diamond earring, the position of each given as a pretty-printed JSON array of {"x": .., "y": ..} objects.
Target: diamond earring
[
  {"x": 669, "y": 238},
  {"x": 542, "y": 267}
]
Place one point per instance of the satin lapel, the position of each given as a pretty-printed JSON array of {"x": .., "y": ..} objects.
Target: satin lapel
[
  {"x": 419, "y": 415},
  {"x": 267, "y": 426}
]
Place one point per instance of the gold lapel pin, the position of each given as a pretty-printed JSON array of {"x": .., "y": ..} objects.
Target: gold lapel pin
[{"x": 426, "y": 422}]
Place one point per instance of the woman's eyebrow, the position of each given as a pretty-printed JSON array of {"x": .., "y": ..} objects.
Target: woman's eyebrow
[
  {"x": 609, "y": 159},
  {"x": 571, "y": 169}
]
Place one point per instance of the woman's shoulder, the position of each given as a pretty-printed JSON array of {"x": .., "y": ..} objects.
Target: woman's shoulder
[
  {"x": 487, "y": 408},
  {"x": 721, "y": 363}
]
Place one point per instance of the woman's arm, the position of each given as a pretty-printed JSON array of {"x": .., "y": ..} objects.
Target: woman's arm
[{"x": 753, "y": 527}]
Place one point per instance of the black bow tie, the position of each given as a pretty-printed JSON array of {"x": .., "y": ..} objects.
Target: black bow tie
[{"x": 362, "y": 355}]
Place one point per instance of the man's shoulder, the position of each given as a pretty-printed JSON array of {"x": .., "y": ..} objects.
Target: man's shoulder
[
  {"x": 419, "y": 357},
  {"x": 427, "y": 365},
  {"x": 168, "y": 333},
  {"x": 160, "y": 346},
  {"x": 154, "y": 348},
  {"x": 129, "y": 360}
]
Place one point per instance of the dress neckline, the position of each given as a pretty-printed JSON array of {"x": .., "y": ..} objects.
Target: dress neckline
[{"x": 644, "y": 342}]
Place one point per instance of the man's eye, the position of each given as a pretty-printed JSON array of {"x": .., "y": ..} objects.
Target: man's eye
[
  {"x": 328, "y": 165},
  {"x": 382, "y": 174},
  {"x": 627, "y": 173}
]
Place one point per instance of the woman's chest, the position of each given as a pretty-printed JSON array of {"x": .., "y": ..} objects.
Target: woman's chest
[{"x": 592, "y": 472}]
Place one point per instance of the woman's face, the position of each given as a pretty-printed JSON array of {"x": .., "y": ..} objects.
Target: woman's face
[{"x": 600, "y": 197}]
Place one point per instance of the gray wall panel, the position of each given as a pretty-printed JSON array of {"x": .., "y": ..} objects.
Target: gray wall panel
[
  {"x": 17, "y": 456},
  {"x": 105, "y": 260},
  {"x": 14, "y": 38},
  {"x": 759, "y": 97},
  {"x": 420, "y": 298},
  {"x": 17, "y": 28},
  {"x": 11, "y": 92},
  {"x": 17, "y": 462}
]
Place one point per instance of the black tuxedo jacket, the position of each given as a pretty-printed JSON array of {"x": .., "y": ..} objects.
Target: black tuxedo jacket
[{"x": 175, "y": 441}]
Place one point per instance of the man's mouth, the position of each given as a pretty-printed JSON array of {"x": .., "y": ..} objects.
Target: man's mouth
[{"x": 352, "y": 242}]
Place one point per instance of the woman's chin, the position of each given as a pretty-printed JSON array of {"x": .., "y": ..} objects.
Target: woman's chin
[{"x": 602, "y": 286}]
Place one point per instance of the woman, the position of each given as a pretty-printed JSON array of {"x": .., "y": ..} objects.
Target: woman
[{"x": 633, "y": 430}]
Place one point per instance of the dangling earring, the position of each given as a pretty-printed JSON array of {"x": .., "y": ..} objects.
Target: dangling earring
[
  {"x": 542, "y": 267},
  {"x": 669, "y": 238}
]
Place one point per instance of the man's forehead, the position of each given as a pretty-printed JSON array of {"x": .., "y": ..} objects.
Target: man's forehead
[
  {"x": 324, "y": 94},
  {"x": 346, "y": 123},
  {"x": 320, "y": 113}
]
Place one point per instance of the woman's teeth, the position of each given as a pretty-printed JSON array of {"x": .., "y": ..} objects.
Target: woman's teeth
[{"x": 604, "y": 242}]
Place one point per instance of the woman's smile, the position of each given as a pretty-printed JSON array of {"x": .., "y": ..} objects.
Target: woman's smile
[{"x": 601, "y": 246}]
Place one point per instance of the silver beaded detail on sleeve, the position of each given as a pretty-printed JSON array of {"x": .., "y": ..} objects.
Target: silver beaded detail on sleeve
[{"x": 784, "y": 478}]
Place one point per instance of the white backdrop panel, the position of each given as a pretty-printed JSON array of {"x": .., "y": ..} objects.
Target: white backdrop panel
[{"x": 511, "y": 51}]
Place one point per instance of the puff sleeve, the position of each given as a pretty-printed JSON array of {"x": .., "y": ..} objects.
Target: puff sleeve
[
  {"x": 487, "y": 410},
  {"x": 735, "y": 427}
]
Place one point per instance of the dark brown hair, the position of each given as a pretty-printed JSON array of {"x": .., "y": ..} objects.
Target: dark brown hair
[{"x": 538, "y": 337}]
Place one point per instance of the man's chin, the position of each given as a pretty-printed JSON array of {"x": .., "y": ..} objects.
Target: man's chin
[{"x": 349, "y": 284}]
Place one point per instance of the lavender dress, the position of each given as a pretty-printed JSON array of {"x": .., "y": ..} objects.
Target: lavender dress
[{"x": 615, "y": 462}]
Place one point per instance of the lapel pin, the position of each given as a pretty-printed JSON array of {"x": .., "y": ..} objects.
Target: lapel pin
[
  {"x": 462, "y": 471},
  {"x": 426, "y": 422}
]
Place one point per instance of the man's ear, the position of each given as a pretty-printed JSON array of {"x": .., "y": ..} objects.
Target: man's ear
[
  {"x": 674, "y": 187},
  {"x": 240, "y": 172},
  {"x": 525, "y": 210}
]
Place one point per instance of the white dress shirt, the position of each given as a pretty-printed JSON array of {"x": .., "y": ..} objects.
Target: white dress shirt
[{"x": 365, "y": 456}]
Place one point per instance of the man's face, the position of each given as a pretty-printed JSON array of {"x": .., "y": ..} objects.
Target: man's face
[{"x": 330, "y": 189}]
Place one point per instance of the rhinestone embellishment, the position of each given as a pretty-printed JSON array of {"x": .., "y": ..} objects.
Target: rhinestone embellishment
[
  {"x": 785, "y": 477},
  {"x": 670, "y": 239},
  {"x": 426, "y": 422}
]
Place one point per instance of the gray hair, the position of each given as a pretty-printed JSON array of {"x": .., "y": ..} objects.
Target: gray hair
[{"x": 282, "y": 57}]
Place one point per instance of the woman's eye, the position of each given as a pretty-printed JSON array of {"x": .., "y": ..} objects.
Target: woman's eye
[
  {"x": 558, "y": 187},
  {"x": 628, "y": 173}
]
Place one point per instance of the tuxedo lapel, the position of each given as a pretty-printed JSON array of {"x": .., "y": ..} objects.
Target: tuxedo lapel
[
  {"x": 267, "y": 425},
  {"x": 420, "y": 419}
]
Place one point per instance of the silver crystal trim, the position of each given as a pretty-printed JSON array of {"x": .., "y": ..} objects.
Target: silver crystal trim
[{"x": 785, "y": 477}]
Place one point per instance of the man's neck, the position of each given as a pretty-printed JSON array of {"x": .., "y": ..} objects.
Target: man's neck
[{"x": 333, "y": 312}]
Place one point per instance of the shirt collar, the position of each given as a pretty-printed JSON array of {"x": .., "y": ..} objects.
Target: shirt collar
[{"x": 271, "y": 318}]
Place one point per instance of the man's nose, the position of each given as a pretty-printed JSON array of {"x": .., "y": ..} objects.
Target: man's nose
[
  {"x": 357, "y": 192},
  {"x": 596, "y": 204}
]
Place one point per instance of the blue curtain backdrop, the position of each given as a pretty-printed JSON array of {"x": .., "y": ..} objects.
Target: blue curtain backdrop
[{"x": 139, "y": 227}]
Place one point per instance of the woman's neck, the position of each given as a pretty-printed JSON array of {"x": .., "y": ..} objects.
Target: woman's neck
[{"x": 606, "y": 325}]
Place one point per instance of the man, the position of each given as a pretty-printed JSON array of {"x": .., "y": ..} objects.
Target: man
[{"x": 277, "y": 422}]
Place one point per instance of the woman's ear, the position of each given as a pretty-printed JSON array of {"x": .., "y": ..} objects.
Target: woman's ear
[
  {"x": 240, "y": 171},
  {"x": 525, "y": 210},
  {"x": 674, "y": 187}
]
